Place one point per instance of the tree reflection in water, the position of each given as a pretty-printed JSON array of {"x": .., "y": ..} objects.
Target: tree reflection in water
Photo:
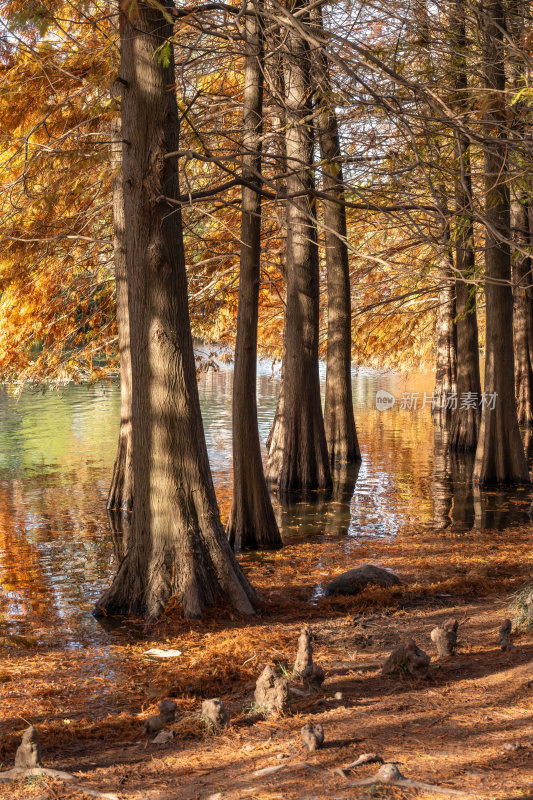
[{"x": 57, "y": 549}]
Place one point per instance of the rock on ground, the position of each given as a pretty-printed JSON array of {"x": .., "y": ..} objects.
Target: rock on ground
[
  {"x": 163, "y": 737},
  {"x": 355, "y": 580}
]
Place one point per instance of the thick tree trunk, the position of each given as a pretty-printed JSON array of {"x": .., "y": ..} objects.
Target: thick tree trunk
[
  {"x": 339, "y": 421},
  {"x": 120, "y": 497},
  {"x": 119, "y": 525},
  {"x": 530, "y": 287},
  {"x": 500, "y": 454},
  {"x": 298, "y": 459},
  {"x": 177, "y": 543},
  {"x": 523, "y": 310},
  {"x": 517, "y": 13},
  {"x": 252, "y": 523},
  {"x": 466, "y": 417},
  {"x": 276, "y": 90}
]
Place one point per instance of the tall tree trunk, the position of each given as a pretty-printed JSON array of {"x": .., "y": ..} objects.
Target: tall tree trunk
[
  {"x": 276, "y": 90},
  {"x": 252, "y": 523},
  {"x": 530, "y": 287},
  {"x": 500, "y": 456},
  {"x": 120, "y": 497},
  {"x": 339, "y": 421},
  {"x": 177, "y": 542},
  {"x": 445, "y": 335},
  {"x": 517, "y": 12},
  {"x": 298, "y": 458},
  {"x": 466, "y": 417},
  {"x": 523, "y": 310}
]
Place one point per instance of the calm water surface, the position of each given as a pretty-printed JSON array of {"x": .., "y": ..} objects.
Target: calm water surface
[{"x": 57, "y": 449}]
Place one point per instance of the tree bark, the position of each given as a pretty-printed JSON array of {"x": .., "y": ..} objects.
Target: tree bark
[
  {"x": 517, "y": 13},
  {"x": 252, "y": 523},
  {"x": 120, "y": 497},
  {"x": 466, "y": 417},
  {"x": 339, "y": 421},
  {"x": 523, "y": 310},
  {"x": 500, "y": 456},
  {"x": 276, "y": 89},
  {"x": 298, "y": 458},
  {"x": 445, "y": 335},
  {"x": 177, "y": 542}
]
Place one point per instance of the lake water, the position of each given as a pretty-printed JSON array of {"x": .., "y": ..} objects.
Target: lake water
[{"x": 57, "y": 449}]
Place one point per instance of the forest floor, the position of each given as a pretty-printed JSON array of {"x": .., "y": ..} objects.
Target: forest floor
[{"x": 468, "y": 727}]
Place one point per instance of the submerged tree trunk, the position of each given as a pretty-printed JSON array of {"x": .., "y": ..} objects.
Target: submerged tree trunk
[
  {"x": 339, "y": 418},
  {"x": 177, "y": 542},
  {"x": 298, "y": 457},
  {"x": 120, "y": 497},
  {"x": 466, "y": 417},
  {"x": 523, "y": 310},
  {"x": 252, "y": 523},
  {"x": 500, "y": 454}
]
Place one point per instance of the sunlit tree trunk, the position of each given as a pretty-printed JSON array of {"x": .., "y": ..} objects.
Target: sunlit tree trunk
[
  {"x": 445, "y": 335},
  {"x": 500, "y": 456},
  {"x": 339, "y": 418},
  {"x": 418, "y": 23},
  {"x": 466, "y": 417},
  {"x": 298, "y": 457},
  {"x": 517, "y": 12},
  {"x": 252, "y": 523},
  {"x": 521, "y": 271},
  {"x": 276, "y": 91},
  {"x": 120, "y": 497},
  {"x": 177, "y": 543}
]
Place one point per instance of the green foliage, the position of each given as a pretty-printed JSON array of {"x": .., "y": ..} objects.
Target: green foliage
[{"x": 163, "y": 55}]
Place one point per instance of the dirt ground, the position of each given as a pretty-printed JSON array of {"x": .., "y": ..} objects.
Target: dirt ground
[{"x": 468, "y": 727}]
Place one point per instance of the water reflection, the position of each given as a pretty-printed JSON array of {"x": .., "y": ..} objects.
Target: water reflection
[
  {"x": 119, "y": 525},
  {"x": 463, "y": 513},
  {"x": 58, "y": 552},
  {"x": 442, "y": 484}
]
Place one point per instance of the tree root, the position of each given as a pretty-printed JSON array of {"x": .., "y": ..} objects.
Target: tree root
[
  {"x": 364, "y": 758},
  {"x": 55, "y": 774},
  {"x": 390, "y": 774}
]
